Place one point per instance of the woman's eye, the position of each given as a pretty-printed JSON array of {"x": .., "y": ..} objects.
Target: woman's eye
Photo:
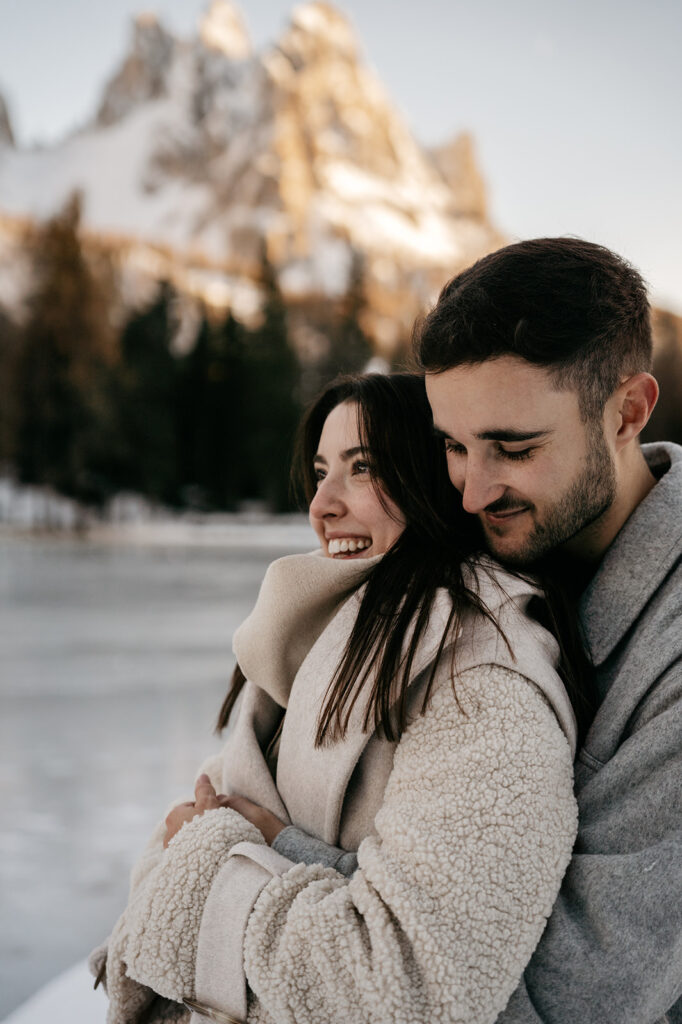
[
  {"x": 319, "y": 475},
  {"x": 360, "y": 467},
  {"x": 452, "y": 448},
  {"x": 525, "y": 453}
]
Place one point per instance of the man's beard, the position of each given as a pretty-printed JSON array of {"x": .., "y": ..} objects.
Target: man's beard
[{"x": 586, "y": 499}]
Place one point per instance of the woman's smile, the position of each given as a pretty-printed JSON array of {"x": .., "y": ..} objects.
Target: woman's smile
[{"x": 346, "y": 547}]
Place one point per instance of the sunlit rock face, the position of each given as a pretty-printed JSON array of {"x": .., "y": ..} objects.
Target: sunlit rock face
[
  {"x": 457, "y": 163},
  {"x": 223, "y": 29},
  {"x": 208, "y": 152},
  {"x": 143, "y": 74}
]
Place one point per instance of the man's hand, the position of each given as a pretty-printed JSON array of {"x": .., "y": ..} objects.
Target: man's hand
[
  {"x": 266, "y": 823},
  {"x": 206, "y": 800}
]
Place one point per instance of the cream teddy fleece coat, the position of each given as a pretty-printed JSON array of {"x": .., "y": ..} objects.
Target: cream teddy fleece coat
[{"x": 465, "y": 828}]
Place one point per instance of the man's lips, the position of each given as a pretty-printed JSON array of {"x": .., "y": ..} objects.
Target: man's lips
[{"x": 497, "y": 518}]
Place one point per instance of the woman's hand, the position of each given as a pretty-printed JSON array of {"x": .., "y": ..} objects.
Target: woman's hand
[
  {"x": 267, "y": 823},
  {"x": 206, "y": 800}
]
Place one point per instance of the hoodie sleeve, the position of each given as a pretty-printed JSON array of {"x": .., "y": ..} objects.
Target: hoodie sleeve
[
  {"x": 612, "y": 949},
  {"x": 302, "y": 848},
  {"x": 450, "y": 896}
]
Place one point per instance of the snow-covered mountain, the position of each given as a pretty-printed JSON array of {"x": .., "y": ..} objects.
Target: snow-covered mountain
[{"x": 201, "y": 150}]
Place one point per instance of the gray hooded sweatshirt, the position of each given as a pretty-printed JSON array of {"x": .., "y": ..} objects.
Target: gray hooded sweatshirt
[{"x": 612, "y": 949}]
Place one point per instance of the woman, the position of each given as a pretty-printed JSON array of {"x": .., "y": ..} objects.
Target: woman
[{"x": 400, "y": 702}]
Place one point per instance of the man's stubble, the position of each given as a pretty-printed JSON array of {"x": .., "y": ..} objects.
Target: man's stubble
[{"x": 586, "y": 499}]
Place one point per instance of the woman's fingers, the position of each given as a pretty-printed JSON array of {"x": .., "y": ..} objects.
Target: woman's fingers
[
  {"x": 240, "y": 803},
  {"x": 206, "y": 797},
  {"x": 176, "y": 818},
  {"x": 267, "y": 823},
  {"x": 206, "y": 800}
]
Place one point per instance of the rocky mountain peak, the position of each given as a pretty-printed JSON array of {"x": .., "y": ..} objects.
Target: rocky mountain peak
[
  {"x": 458, "y": 164},
  {"x": 143, "y": 75},
  {"x": 222, "y": 28},
  {"x": 330, "y": 105},
  {"x": 6, "y": 133},
  {"x": 320, "y": 25},
  {"x": 298, "y": 150}
]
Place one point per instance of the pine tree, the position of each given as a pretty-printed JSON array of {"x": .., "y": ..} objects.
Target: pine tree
[
  {"x": 273, "y": 409},
  {"x": 146, "y": 392},
  {"x": 66, "y": 351},
  {"x": 351, "y": 349},
  {"x": 212, "y": 400},
  {"x": 9, "y": 410}
]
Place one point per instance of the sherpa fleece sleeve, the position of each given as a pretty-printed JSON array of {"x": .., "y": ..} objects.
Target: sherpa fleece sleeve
[
  {"x": 105, "y": 955},
  {"x": 452, "y": 893},
  {"x": 163, "y": 921}
]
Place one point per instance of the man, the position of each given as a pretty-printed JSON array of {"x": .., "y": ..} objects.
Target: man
[{"x": 537, "y": 365}]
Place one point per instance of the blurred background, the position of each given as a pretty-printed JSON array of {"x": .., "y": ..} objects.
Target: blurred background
[{"x": 205, "y": 214}]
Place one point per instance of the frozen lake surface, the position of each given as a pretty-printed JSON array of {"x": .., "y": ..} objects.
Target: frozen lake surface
[{"x": 114, "y": 659}]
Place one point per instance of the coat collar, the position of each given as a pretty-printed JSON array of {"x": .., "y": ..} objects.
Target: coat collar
[
  {"x": 299, "y": 596},
  {"x": 313, "y": 780},
  {"x": 642, "y": 554},
  {"x": 298, "y": 629}
]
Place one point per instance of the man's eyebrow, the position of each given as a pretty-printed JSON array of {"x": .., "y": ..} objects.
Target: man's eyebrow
[
  {"x": 505, "y": 434},
  {"x": 498, "y": 434}
]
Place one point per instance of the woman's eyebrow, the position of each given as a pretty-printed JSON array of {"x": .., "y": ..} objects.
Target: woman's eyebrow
[{"x": 350, "y": 452}]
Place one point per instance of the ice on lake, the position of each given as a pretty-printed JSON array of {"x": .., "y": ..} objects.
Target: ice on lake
[{"x": 114, "y": 660}]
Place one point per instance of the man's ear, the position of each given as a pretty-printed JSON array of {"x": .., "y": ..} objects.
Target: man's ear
[{"x": 636, "y": 398}]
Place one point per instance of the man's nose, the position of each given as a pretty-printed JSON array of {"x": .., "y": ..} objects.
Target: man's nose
[{"x": 479, "y": 486}]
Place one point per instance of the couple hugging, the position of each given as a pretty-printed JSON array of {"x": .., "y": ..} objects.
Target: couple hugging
[{"x": 451, "y": 786}]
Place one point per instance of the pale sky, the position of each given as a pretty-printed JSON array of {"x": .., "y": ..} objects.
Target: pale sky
[{"x": 574, "y": 106}]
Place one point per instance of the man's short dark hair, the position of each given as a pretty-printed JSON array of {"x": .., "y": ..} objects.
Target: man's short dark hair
[{"x": 570, "y": 306}]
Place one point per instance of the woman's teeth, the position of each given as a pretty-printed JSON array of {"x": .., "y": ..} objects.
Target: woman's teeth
[{"x": 340, "y": 547}]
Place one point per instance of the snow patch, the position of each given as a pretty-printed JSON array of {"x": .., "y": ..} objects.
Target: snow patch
[
  {"x": 243, "y": 297},
  {"x": 325, "y": 272},
  {"x": 120, "y": 195},
  {"x": 67, "y": 999}
]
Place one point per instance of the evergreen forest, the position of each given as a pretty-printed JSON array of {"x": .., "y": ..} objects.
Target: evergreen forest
[{"x": 92, "y": 407}]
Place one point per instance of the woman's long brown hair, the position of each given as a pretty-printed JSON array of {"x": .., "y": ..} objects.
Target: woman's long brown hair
[{"x": 439, "y": 542}]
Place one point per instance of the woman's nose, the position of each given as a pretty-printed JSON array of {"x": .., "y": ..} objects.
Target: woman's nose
[{"x": 328, "y": 499}]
